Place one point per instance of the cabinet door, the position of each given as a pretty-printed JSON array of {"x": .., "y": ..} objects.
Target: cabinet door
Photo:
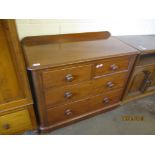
[
  {"x": 9, "y": 82},
  {"x": 140, "y": 81},
  {"x": 14, "y": 89},
  {"x": 152, "y": 85}
]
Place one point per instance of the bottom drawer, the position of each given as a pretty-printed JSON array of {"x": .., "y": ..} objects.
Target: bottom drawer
[
  {"x": 15, "y": 122},
  {"x": 74, "y": 109}
]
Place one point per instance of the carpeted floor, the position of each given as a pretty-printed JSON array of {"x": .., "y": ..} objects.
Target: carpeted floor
[{"x": 140, "y": 112}]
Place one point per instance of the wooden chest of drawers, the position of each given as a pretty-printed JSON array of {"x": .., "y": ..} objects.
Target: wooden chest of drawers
[{"x": 77, "y": 78}]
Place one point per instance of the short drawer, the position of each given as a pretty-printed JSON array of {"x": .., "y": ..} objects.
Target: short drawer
[
  {"x": 15, "y": 122},
  {"x": 75, "y": 109},
  {"x": 109, "y": 83},
  {"x": 66, "y": 76},
  {"x": 67, "y": 93},
  {"x": 110, "y": 66}
]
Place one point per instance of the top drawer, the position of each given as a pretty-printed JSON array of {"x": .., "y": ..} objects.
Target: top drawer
[
  {"x": 110, "y": 66},
  {"x": 66, "y": 76}
]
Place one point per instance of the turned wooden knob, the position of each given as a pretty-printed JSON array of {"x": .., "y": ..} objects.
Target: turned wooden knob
[
  {"x": 69, "y": 77},
  {"x": 68, "y": 95},
  {"x": 110, "y": 84},
  {"x": 68, "y": 112},
  {"x": 106, "y": 100},
  {"x": 6, "y": 126},
  {"x": 114, "y": 67}
]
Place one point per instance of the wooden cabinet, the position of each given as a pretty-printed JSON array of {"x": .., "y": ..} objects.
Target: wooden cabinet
[
  {"x": 142, "y": 81},
  {"x": 14, "y": 88},
  {"x": 75, "y": 76}
]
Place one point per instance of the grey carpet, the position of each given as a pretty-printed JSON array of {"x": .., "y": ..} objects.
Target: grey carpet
[{"x": 111, "y": 122}]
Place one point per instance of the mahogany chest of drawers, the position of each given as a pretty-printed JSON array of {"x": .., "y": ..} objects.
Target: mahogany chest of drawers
[{"x": 77, "y": 75}]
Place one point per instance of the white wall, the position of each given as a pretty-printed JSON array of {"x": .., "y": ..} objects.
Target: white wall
[{"x": 32, "y": 27}]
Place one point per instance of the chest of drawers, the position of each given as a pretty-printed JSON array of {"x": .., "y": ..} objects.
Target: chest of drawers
[{"x": 78, "y": 75}]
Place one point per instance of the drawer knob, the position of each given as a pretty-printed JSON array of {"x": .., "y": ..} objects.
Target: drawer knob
[
  {"x": 99, "y": 66},
  {"x": 110, "y": 84},
  {"x": 6, "y": 126},
  {"x": 106, "y": 100},
  {"x": 69, "y": 77},
  {"x": 68, "y": 95},
  {"x": 114, "y": 67},
  {"x": 68, "y": 112}
]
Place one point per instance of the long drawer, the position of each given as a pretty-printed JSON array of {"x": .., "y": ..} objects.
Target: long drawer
[
  {"x": 74, "y": 109},
  {"x": 75, "y": 92},
  {"x": 15, "y": 122}
]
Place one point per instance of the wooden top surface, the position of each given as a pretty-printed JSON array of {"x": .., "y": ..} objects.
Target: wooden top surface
[
  {"x": 144, "y": 43},
  {"x": 42, "y": 55}
]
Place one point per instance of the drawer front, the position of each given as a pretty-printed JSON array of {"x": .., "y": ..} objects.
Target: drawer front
[
  {"x": 67, "y": 93},
  {"x": 74, "y": 109},
  {"x": 110, "y": 66},
  {"x": 66, "y": 76},
  {"x": 110, "y": 82},
  {"x": 15, "y": 122}
]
